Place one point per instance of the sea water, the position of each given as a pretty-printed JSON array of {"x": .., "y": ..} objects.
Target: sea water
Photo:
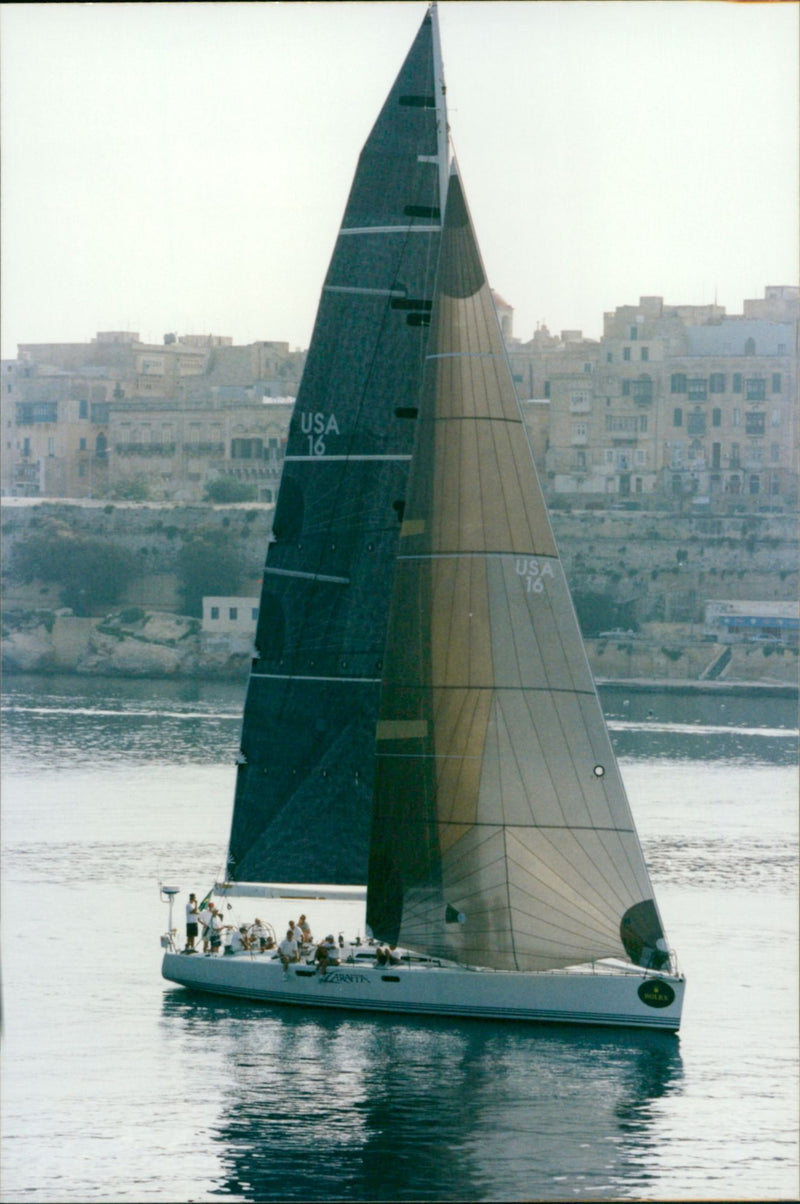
[{"x": 118, "y": 1086}]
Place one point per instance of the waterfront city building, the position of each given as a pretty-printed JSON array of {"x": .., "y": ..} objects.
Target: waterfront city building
[{"x": 674, "y": 407}]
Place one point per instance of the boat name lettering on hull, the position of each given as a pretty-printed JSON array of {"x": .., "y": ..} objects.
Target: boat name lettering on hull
[
  {"x": 534, "y": 573},
  {"x": 317, "y": 426},
  {"x": 339, "y": 976}
]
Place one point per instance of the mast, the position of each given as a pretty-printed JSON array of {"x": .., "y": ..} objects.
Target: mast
[{"x": 306, "y": 770}]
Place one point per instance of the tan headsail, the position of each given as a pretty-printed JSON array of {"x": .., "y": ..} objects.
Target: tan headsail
[{"x": 502, "y": 835}]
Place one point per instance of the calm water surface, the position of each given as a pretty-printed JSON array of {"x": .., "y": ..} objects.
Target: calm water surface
[{"x": 118, "y": 1087}]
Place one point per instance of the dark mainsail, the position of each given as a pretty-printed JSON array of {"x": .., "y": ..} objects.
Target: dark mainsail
[
  {"x": 502, "y": 835},
  {"x": 305, "y": 779}
]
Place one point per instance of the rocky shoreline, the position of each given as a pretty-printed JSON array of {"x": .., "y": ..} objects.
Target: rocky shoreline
[{"x": 133, "y": 643}]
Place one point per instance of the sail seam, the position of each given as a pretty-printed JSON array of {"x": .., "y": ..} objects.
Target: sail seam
[
  {"x": 307, "y": 576},
  {"x": 391, "y": 230},
  {"x": 483, "y": 554},
  {"x": 350, "y": 456},
  {"x": 372, "y": 292},
  {"x": 310, "y": 677},
  {"x": 469, "y": 355}
]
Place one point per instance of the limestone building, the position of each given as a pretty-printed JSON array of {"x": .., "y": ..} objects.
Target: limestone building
[
  {"x": 101, "y": 418},
  {"x": 674, "y": 405}
]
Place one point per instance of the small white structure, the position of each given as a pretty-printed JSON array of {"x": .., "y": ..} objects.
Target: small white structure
[{"x": 230, "y": 616}]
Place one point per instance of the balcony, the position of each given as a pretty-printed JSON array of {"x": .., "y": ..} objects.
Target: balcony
[
  {"x": 204, "y": 450},
  {"x": 145, "y": 450}
]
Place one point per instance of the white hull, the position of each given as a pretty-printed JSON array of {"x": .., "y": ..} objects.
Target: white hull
[{"x": 575, "y": 996}]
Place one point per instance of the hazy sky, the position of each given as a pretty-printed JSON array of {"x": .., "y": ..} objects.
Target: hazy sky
[{"x": 184, "y": 167}]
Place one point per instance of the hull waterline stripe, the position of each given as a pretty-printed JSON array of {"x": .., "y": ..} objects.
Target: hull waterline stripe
[{"x": 307, "y": 576}]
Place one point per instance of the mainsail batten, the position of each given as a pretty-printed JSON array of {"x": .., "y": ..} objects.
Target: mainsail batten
[
  {"x": 305, "y": 777},
  {"x": 502, "y": 836}
]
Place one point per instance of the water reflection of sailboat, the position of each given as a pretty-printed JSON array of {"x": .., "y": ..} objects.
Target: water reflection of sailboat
[
  {"x": 313, "y": 1106},
  {"x": 430, "y": 676}
]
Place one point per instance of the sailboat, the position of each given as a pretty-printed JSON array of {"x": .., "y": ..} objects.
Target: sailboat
[{"x": 421, "y": 716}]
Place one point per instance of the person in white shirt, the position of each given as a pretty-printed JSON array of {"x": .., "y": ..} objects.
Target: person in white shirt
[
  {"x": 191, "y": 923},
  {"x": 215, "y": 931},
  {"x": 205, "y": 916},
  {"x": 259, "y": 940},
  {"x": 238, "y": 942},
  {"x": 287, "y": 951}
]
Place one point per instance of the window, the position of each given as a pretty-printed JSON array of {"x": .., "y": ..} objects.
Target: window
[
  {"x": 587, "y": 367},
  {"x": 82, "y": 445},
  {"x": 626, "y": 353},
  {"x": 214, "y": 612},
  {"x": 634, "y": 333},
  {"x": 776, "y": 382},
  {"x": 621, "y": 424},
  {"x": 643, "y": 389},
  {"x": 716, "y": 455},
  {"x": 677, "y": 417},
  {"x": 83, "y": 409},
  {"x": 698, "y": 387},
  {"x": 645, "y": 353},
  {"x": 609, "y": 357},
  {"x": 755, "y": 485},
  {"x": 750, "y": 347},
  {"x": 81, "y": 470},
  {"x": 696, "y": 423},
  {"x": 774, "y": 453},
  {"x": 756, "y": 388},
  {"x": 51, "y": 447},
  {"x": 254, "y": 613},
  {"x": 736, "y": 417},
  {"x": 734, "y": 455},
  {"x": 626, "y": 388},
  {"x": 716, "y": 382},
  {"x": 247, "y": 449},
  {"x": 36, "y": 411},
  {"x": 776, "y": 417},
  {"x": 716, "y": 416},
  {"x": 547, "y": 388},
  {"x": 643, "y": 423},
  {"x": 677, "y": 383},
  {"x": 233, "y": 612},
  {"x": 754, "y": 423},
  {"x": 100, "y": 411},
  {"x": 737, "y": 382}
]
